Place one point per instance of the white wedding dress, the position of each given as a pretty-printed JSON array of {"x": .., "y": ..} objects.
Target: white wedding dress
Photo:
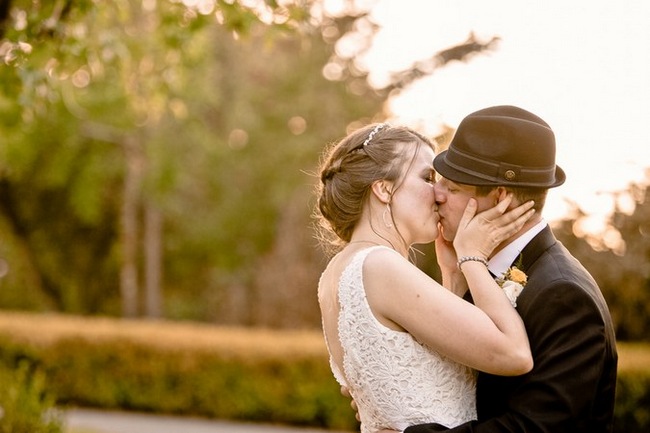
[{"x": 394, "y": 380}]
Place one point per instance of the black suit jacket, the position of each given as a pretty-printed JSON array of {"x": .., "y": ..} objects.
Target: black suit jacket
[{"x": 571, "y": 387}]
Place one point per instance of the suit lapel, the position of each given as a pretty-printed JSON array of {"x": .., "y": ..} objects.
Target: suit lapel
[{"x": 536, "y": 247}]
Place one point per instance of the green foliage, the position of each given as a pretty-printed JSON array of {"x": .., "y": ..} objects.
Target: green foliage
[
  {"x": 223, "y": 373},
  {"x": 223, "y": 120},
  {"x": 117, "y": 372},
  {"x": 25, "y": 405},
  {"x": 632, "y": 410},
  {"x": 622, "y": 273},
  {"x": 206, "y": 112}
]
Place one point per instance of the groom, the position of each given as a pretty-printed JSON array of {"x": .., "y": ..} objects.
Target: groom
[{"x": 571, "y": 387}]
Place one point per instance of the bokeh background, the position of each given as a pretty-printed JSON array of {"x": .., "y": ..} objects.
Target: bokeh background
[
  {"x": 158, "y": 162},
  {"x": 157, "y": 158}
]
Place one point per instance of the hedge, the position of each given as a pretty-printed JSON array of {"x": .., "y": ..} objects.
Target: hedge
[
  {"x": 216, "y": 372},
  {"x": 179, "y": 368}
]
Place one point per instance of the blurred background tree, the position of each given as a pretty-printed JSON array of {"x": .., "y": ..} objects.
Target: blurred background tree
[
  {"x": 619, "y": 259},
  {"x": 157, "y": 159},
  {"x": 127, "y": 120}
]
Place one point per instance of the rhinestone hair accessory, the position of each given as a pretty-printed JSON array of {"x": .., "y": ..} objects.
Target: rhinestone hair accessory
[{"x": 373, "y": 132}]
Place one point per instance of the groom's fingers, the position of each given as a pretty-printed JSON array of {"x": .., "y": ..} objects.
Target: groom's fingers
[
  {"x": 356, "y": 410},
  {"x": 346, "y": 393}
]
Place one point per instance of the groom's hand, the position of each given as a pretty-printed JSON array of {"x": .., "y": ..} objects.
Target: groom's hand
[{"x": 353, "y": 405}]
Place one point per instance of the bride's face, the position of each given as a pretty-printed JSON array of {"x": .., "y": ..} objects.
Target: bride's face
[{"x": 413, "y": 204}]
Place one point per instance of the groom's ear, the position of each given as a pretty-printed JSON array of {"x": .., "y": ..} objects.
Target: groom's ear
[{"x": 500, "y": 193}]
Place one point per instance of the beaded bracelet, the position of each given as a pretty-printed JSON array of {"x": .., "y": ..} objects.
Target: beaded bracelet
[{"x": 471, "y": 259}]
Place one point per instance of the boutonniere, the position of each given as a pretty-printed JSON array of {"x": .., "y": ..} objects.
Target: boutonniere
[{"x": 513, "y": 282}]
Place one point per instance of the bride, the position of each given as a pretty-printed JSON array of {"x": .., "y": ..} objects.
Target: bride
[{"x": 405, "y": 347}]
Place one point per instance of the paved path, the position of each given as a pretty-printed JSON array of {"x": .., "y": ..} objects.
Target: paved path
[{"x": 99, "y": 421}]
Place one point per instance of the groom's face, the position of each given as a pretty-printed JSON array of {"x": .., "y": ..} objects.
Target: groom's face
[{"x": 452, "y": 198}]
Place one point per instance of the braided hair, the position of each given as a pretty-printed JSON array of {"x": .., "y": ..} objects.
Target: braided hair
[{"x": 350, "y": 167}]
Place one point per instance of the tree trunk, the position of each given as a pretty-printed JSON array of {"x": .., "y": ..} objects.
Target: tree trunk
[
  {"x": 129, "y": 232},
  {"x": 153, "y": 261}
]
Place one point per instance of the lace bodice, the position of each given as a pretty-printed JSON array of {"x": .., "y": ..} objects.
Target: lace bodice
[{"x": 394, "y": 380}]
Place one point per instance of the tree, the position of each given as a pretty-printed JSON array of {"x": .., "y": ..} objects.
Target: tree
[
  {"x": 120, "y": 84},
  {"x": 623, "y": 272},
  {"x": 126, "y": 121}
]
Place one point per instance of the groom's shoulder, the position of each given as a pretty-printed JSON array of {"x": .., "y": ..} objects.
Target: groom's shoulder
[{"x": 558, "y": 268}]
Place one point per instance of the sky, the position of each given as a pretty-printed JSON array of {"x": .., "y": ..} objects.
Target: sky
[{"x": 582, "y": 65}]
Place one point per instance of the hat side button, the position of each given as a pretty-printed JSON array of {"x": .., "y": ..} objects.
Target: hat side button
[{"x": 509, "y": 175}]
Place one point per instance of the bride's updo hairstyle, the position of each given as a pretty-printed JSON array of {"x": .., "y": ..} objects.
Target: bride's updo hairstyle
[{"x": 350, "y": 167}]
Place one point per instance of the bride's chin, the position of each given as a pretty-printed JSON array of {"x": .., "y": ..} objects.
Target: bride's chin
[{"x": 433, "y": 236}]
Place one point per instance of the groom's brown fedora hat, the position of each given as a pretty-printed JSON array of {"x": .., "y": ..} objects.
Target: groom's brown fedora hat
[{"x": 501, "y": 146}]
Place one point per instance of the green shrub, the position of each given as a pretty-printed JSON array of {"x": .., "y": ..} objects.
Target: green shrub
[
  {"x": 175, "y": 368},
  {"x": 25, "y": 407},
  {"x": 632, "y": 414},
  {"x": 224, "y": 373},
  {"x": 128, "y": 376}
]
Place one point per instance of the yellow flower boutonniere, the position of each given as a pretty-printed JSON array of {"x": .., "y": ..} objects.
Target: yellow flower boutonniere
[{"x": 513, "y": 282}]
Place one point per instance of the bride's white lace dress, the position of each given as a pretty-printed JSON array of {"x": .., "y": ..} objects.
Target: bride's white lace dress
[{"x": 395, "y": 381}]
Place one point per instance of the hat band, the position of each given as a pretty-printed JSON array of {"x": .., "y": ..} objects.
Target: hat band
[{"x": 498, "y": 171}]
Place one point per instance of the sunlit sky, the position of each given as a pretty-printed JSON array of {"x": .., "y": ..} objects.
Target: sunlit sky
[{"x": 582, "y": 65}]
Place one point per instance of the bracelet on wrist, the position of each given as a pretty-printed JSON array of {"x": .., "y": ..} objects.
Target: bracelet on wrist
[{"x": 471, "y": 259}]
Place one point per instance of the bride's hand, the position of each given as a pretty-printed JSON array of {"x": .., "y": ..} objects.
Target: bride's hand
[
  {"x": 445, "y": 253},
  {"x": 479, "y": 235},
  {"x": 452, "y": 278}
]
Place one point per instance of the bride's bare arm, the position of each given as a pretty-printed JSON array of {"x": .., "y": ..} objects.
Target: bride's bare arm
[
  {"x": 477, "y": 236},
  {"x": 493, "y": 340}
]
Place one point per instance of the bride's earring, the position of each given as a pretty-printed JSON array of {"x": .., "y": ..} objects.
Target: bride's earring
[{"x": 387, "y": 222}]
